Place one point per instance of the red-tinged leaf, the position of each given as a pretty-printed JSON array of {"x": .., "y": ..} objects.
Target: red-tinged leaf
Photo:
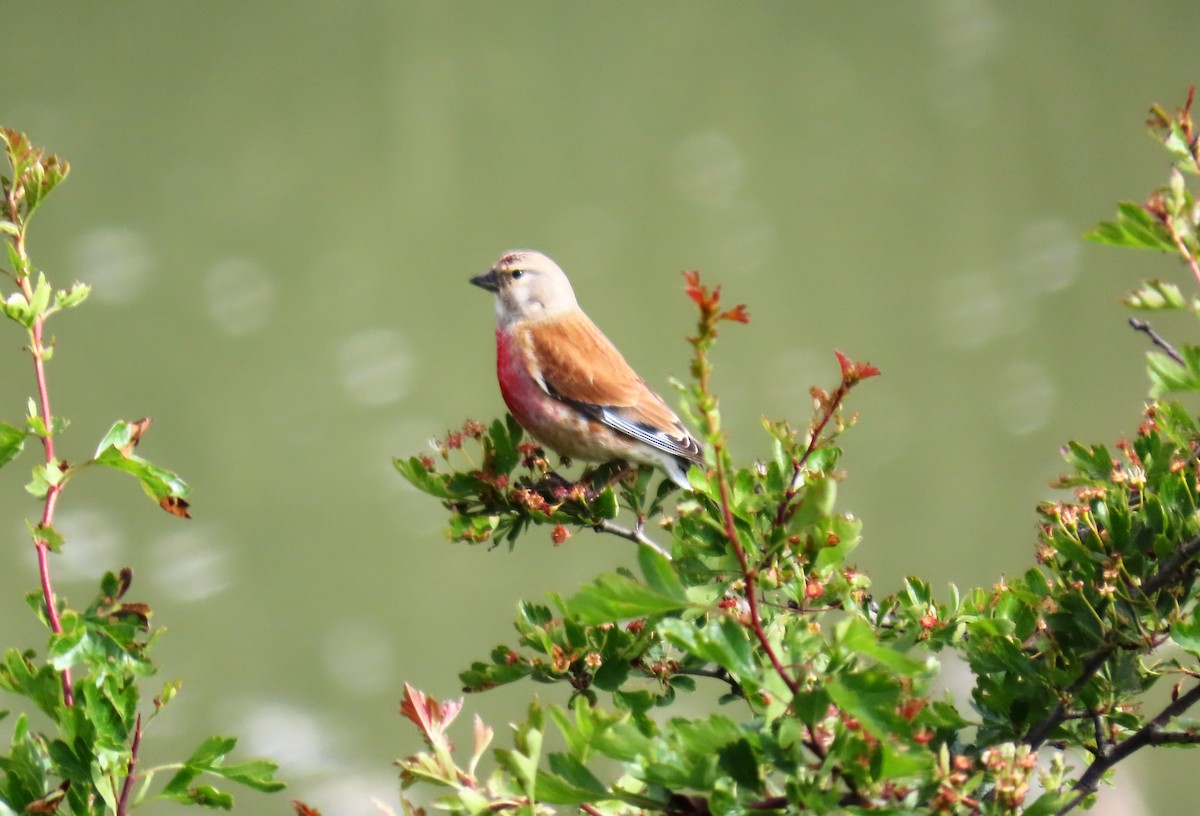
[
  {"x": 483, "y": 738},
  {"x": 738, "y": 314},
  {"x": 49, "y": 803},
  {"x": 175, "y": 506},
  {"x": 136, "y": 429},
  {"x": 303, "y": 809},
  {"x": 853, "y": 371},
  {"x": 432, "y": 717},
  {"x": 125, "y": 580}
]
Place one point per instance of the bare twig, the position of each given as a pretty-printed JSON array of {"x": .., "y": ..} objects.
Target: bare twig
[
  {"x": 717, "y": 674},
  {"x": 1156, "y": 339},
  {"x": 632, "y": 534}
]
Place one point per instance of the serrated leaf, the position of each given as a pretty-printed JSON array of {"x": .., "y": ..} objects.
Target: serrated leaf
[
  {"x": 116, "y": 451},
  {"x": 258, "y": 774},
  {"x": 420, "y": 477},
  {"x": 12, "y": 442},
  {"x": 1168, "y": 375},
  {"x": 1186, "y": 634},
  {"x": 605, "y": 504},
  {"x": 856, "y": 634},
  {"x": 70, "y": 298},
  {"x": 660, "y": 574},
  {"x": 1156, "y": 294},
  {"x": 722, "y": 641},
  {"x": 1134, "y": 227},
  {"x": 502, "y": 449},
  {"x": 616, "y": 597}
]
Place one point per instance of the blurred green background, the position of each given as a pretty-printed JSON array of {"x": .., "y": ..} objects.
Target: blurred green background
[{"x": 279, "y": 204}]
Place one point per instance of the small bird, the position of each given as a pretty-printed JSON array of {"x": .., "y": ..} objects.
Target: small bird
[{"x": 567, "y": 384}]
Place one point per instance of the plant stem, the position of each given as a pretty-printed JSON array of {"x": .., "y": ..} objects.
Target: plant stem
[
  {"x": 634, "y": 534},
  {"x": 123, "y": 802},
  {"x": 1149, "y": 734},
  {"x": 37, "y": 350}
]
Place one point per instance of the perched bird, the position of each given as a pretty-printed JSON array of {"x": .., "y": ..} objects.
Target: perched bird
[{"x": 566, "y": 383}]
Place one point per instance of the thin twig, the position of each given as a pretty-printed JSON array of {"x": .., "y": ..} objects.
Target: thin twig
[
  {"x": 632, "y": 534},
  {"x": 1038, "y": 733},
  {"x": 717, "y": 674},
  {"x": 1149, "y": 734},
  {"x": 1183, "y": 250},
  {"x": 123, "y": 801},
  {"x": 1166, "y": 572},
  {"x": 1156, "y": 339}
]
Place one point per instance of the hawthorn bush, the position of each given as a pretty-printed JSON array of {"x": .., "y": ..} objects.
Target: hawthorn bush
[{"x": 746, "y": 583}]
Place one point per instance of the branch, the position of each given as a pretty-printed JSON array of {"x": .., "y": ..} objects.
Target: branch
[
  {"x": 1172, "y": 565},
  {"x": 632, "y": 534},
  {"x": 123, "y": 802},
  {"x": 1151, "y": 733},
  {"x": 1156, "y": 339},
  {"x": 717, "y": 674},
  {"x": 1166, "y": 573}
]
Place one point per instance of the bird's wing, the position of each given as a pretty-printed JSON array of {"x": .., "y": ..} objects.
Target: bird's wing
[{"x": 575, "y": 362}]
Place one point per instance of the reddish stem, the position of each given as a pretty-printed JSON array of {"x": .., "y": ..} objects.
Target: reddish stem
[
  {"x": 40, "y": 542},
  {"x": 831, "y": 408},
  {"x": 123, "y": 801},
  {"x": 748, "y": 575}
]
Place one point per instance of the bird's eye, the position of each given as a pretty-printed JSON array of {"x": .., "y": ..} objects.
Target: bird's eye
[{"x": 517, "y": 273}]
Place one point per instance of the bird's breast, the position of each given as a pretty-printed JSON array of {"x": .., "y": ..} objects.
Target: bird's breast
[{"x": 549, "y": 420}]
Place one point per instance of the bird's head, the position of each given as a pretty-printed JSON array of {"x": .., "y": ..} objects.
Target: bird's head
[{"x": 528, "y": 286}]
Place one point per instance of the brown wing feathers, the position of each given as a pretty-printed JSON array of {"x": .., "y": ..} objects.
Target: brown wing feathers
[{"x": 606, "y": 387}]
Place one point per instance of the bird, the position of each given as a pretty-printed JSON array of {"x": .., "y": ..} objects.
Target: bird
[{"x": 566, "y": 383}]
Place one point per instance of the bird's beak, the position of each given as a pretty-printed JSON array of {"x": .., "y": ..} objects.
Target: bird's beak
[{"x": 487, "y": 280}]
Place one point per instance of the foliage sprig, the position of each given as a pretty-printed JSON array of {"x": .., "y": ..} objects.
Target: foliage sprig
[
  {"x": 825, "y": 694},
  {"x": 89, "y": 685}
]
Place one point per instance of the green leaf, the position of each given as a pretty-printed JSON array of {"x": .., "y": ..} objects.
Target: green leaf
[
  {"x": 70, "y": 298},
  {"x": 258, "y": 774},
  {"x": 569, "y": 782},
  {"x": 871, "y": 697},
  {"x": 422, "y": 478},
  {"x": 739, "y": 761},
  {"x": 1186, "y": 634},
  {"x": 856, "y": 634},
  {"x": 723, "y": 641},
  {"x": 18, "y": 309},
  {"x": 1156, "y": 294},
  {"x": 208, "y": 796},
  {"x": 41, "y": 297},
  {"x": 502, "y": 449},
  {"x": 12, "y": 442},
  {"x": 1134, "y": 227},
  {"x": 660, "y": 574},
  {"x": 116, "y": 451},
  {"x": 42, "y": 686},
  {"x": 1167, "y": 375},
  {"x": 616, "y": 597},
  {"x": 605, "y": 504},
  {"x": 45, "y": 476},
  {"x": 54, "y": 539}
]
